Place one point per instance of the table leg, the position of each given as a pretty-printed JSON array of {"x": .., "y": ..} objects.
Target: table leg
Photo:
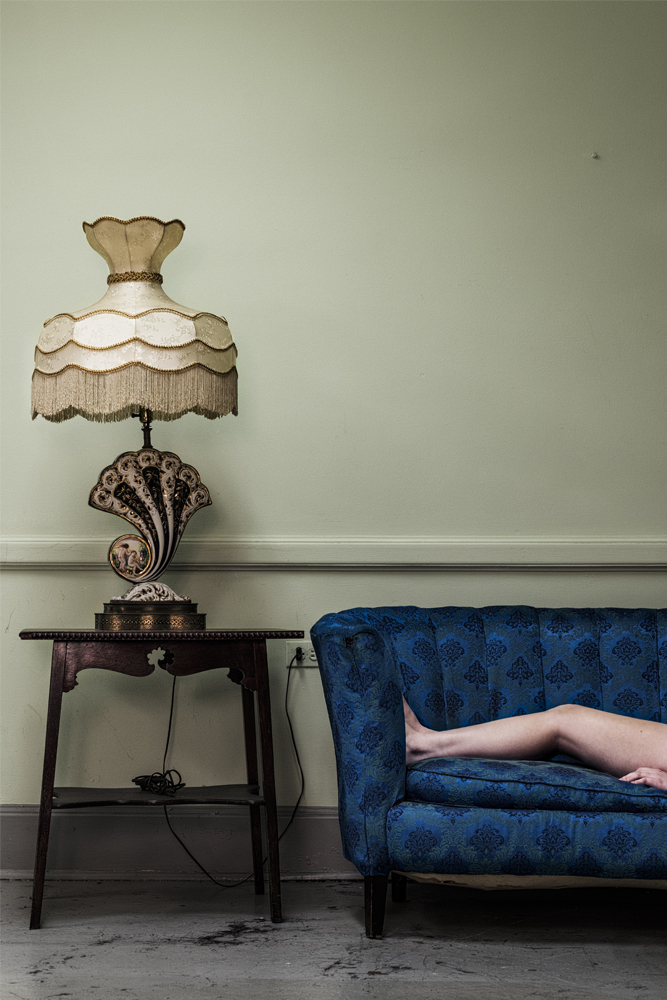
[
  {"x": 48, "y": 776},
  {"x": 268, "y": 778},
  {"x": 253, "y": 779}
]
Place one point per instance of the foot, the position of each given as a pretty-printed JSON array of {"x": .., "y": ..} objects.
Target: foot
[
  {"x": 416, "y": 737},
  {"x": 412, "y": 723}
]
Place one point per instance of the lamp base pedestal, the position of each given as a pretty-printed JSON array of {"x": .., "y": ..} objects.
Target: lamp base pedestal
[{"x": 139, "y": 616}]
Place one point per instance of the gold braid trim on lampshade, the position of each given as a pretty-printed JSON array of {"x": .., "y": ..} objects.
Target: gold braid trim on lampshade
[
  {"x": 135, "y": 276},
  {"x": 127, "y": 222},
  {"x": 135, "y": 348},
  {"x": 77, "y": 317}
]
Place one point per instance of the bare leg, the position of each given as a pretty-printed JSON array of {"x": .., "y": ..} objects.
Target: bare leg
[{"x": 612, "y": 743}]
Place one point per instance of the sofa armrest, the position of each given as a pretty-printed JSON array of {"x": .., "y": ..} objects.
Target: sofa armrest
[{"x": 363, "y": 687}]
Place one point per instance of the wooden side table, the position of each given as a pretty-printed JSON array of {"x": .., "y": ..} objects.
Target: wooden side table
[{"x": 185, "y": 653}]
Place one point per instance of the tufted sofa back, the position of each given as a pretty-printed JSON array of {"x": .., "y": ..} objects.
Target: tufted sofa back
[{"x": 462, "y": 666}]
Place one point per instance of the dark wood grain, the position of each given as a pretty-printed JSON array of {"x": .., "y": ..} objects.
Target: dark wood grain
[
  {"x": 133, "y": 660},
  {"x": 48, "y": 776},
  {"x": 178, "y": 659},
  {"x": 375, "y": 898},
  {"x": 252, "y": 770},
  {"x": 268, "y": 779},
  {"x": 240, "y": 795},
  {"x": 242, "y": 653},
  {"x": 207, "y": 635}
]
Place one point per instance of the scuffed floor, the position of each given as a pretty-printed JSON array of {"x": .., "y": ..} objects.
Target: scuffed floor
[{"x": 191, "y": 941}]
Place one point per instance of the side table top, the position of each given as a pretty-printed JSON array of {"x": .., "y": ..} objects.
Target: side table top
[{"x": 148, "y": 635}]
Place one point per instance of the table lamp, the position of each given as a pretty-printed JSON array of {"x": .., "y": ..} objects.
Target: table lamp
[{"x": 136, "y": 353}]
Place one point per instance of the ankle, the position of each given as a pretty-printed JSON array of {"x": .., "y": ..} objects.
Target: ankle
[{"x": 417, "y": 747}]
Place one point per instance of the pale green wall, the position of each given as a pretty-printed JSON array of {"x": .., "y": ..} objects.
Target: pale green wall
[{"x": 450, "y": 316}]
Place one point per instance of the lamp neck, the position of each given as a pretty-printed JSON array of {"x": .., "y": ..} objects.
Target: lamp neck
[
  {"x": 145, "y": 417},
  {"x": 134, "y": 297}
]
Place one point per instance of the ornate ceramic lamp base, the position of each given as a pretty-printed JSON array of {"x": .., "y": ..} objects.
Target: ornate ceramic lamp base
[{"x": 157, "y": 494}]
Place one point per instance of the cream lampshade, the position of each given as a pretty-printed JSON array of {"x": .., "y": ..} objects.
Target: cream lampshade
[
  {"x": 138, "y": 353},
  {"x": 135, "y": 348}
]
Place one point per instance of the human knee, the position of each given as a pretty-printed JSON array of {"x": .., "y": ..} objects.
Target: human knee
[
  {"x": 560, "y": 713},
  {"x": 562, "y": 717},
  {"x": 568, "y": 710}
]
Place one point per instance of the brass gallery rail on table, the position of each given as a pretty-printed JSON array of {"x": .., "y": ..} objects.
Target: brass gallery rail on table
[{"x": 243, "y": 653}]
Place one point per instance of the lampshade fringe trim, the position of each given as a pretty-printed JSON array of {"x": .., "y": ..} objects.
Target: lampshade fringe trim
[{"x": 116, "y": 395}]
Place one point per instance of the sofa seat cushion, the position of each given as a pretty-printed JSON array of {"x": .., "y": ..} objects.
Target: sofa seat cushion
[
  {"x": 527, "y": 784},
  {"x": 430, "y": 837}
]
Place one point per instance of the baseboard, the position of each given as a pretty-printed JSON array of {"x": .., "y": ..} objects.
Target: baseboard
[
  {"x": 372, "y": 554},
  {"x": 129, "y": 843}
]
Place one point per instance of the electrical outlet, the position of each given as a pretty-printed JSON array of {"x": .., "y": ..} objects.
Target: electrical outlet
[{"x": 308, "y": 660}]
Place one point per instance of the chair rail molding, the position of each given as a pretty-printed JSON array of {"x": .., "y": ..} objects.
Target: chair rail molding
[{"x": 363, "y": 554}]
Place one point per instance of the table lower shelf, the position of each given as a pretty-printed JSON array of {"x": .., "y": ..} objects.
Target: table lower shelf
[{"x": 212, "y": 795}]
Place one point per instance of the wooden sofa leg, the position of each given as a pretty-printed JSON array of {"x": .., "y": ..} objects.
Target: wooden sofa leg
[
  {"x": 399, "y": 887},
  {"x": 375, "y": 893}
]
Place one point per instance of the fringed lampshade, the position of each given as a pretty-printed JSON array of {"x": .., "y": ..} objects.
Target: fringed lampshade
[{"x": 135, "y": 348}]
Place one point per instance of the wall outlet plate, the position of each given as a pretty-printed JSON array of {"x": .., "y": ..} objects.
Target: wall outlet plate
[{"x": 309, "y": 658}]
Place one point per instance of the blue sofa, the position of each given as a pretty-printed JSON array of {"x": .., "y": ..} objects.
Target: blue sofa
[{"x": 460, "y": 666}]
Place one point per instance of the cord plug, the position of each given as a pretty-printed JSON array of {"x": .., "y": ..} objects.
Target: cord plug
[{"x": 300, "y": 654}]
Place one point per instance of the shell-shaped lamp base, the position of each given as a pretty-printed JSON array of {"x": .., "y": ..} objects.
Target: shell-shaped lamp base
[{"x": 157, "y": 494}]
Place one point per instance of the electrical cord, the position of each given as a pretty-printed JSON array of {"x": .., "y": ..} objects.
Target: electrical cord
[
  {"x": 161, "y": 783},
  {"x": 294, "y": 747}
]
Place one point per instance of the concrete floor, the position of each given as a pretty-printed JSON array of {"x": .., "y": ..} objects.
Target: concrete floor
[{"x": 191, "y": 940}]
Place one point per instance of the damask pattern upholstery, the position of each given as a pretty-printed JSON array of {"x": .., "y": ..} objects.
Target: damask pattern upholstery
[
  {"x": 527, "y": 784},
  {"x": 460, "y": 666},
  {"x": 426, "y": 837}
]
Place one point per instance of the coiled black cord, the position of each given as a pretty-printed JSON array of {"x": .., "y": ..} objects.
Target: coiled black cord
[{"x": 161, "y": 783}]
